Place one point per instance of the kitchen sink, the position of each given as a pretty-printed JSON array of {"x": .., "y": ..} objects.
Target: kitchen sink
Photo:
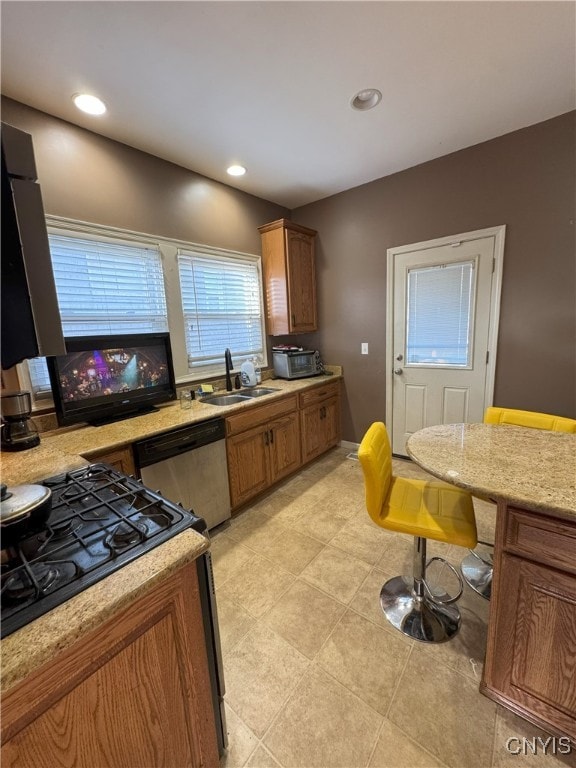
[
  {"x": 258, "y": 391},
  {"x": 224, "y": 399},
  {"x": 230, "y": 398}
]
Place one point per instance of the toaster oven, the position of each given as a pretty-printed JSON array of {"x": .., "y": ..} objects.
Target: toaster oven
[{"x": 290, "y": 363}]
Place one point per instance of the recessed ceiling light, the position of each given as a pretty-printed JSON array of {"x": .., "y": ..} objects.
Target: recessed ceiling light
[
  {"x": 366, "y": 99},
  {"x": 236, "y": 170},
  {"x": 90, "y": 104}
]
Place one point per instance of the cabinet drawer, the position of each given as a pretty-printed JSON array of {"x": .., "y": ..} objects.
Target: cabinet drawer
[
  {"x": 319, "y": 393},
  {"x": 545, "y": 540},
  {"x": 252, "y": 417}
]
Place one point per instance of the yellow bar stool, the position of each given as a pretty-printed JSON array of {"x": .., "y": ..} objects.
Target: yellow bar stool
[
  {"x": 424, "y": 510},
  {"x": 476, "y": 570}
]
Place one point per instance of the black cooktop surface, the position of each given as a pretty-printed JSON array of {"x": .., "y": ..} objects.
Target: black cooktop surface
[{"x": 100, "y": 521}]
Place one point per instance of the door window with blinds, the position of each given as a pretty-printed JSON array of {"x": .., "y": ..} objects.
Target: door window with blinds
[
  {"x": 221, "y": 302},
  {"x": 439, "y": 315},
  {"x": 208, "y": 299}
]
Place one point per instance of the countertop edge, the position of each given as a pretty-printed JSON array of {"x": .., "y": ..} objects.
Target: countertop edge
[{"x": 39, "y": 642}]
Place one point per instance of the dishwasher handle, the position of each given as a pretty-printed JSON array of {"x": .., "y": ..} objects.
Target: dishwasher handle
[{"x": 168, "y": 444}]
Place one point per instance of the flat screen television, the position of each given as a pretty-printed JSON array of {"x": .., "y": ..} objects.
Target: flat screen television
[{"x": 107, "y": 378}]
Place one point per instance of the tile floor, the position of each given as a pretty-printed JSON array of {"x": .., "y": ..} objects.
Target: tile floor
[{"x": 315, "y": 675}]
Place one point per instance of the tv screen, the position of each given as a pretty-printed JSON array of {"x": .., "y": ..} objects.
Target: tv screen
[{"x": 106, "y": 378}]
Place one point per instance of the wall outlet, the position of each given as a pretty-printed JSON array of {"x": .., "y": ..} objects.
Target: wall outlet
[{"x": 364, "y": 348}]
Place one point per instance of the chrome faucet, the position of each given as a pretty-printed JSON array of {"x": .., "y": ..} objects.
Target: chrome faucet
[{"x": 229, "y": 368}]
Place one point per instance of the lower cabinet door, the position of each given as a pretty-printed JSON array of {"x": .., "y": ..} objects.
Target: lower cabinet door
[
  {"x": 531, "y": 650},
  {"x": 284, "y": 446},
  {"x": 134, "y": 693},
  {"x": 248, "y": 464}
]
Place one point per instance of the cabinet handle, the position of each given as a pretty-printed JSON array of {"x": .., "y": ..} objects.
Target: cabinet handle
[
  {"x": 293, "y": 319},
  {"x": 267, "y": 438},
  {"x": 323, "y": 412},
  {"x": 271, "y": 437}
]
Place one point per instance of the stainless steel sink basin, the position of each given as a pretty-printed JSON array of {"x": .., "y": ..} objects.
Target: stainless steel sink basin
[
  {"x": 230, "y": 398},
  {"x": 224, "y": 399},
  {"x": 258, "y": 391}
]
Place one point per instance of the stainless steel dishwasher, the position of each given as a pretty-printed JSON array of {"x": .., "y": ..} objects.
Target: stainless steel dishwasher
[{"x": 188, "y": 465}]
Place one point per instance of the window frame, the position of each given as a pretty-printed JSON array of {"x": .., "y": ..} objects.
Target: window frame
[{"x": 169, "y": 248}]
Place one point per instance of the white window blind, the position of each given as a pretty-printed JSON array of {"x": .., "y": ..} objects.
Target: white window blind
[
  {"x": 222, "y": 309},
  {"x": 439, "y": 314},
  {"x": 104, "y": 287}
]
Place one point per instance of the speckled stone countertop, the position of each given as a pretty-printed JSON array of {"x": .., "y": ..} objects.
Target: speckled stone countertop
[
  {"x": 60, "y": 451},
  {"x": 532, "y": 468},
  {"x": 40, "y": 641},
  {"x": 72, "y": 447}
]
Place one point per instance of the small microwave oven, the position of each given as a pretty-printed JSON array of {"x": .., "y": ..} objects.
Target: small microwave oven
[{"x": 290, "y": 363}]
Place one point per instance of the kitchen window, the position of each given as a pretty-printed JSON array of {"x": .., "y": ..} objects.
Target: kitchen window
[
  {"x": 222, "y": 308},
  {"x": 114, "y": 281}
]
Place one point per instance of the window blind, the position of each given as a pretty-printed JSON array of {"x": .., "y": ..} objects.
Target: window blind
[
  {"x": 104, "y": 287},
  {"x": 439, "y": 314},
  {"x": 222, "y": 309}
]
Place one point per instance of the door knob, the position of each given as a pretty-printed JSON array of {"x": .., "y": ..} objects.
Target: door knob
[{"x": 398, "y": 371}]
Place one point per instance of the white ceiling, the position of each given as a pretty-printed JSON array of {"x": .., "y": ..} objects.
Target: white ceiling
[{"x": 268, "y": 84}]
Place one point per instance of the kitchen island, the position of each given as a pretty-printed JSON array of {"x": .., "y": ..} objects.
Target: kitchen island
[{"x": 531, "y": 474}]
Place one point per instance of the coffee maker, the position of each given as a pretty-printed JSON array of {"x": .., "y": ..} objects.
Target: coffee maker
[{"x": 18, "y": 430}]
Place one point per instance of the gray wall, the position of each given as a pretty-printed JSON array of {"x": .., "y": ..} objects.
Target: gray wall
[{"x": 525, "y": 180}]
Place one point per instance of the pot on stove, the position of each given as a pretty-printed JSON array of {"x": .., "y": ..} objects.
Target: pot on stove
[{"x": 24, "y": 509}]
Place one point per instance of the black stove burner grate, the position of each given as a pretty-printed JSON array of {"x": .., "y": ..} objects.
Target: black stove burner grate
[{"x": 100, "y": 521}]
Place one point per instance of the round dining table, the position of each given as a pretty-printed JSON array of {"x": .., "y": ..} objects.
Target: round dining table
[
  {"x": 533, "y": 468},
  {"x": 531, "y": 475}
]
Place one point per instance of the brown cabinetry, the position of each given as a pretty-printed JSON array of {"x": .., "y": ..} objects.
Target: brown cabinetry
[
  {"x": 134, "y": 692},
  {"x": 121, "y": 459},
  {"x": 263, "y": 446},
  {"x": 289, "y": 277},
  {"x": 531, "y": 645},
  {"x": 319, "y": 420}
]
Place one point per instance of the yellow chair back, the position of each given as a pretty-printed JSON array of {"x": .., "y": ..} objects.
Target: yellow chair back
[
  {"x": 530, "y": 419},
  {"x": 375, "y": 456}
]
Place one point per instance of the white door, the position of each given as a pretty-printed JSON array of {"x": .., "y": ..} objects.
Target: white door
[{"x": 443, "y": 315}]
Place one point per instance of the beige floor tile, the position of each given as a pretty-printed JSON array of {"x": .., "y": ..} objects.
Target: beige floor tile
[
  {"x": 234, "y": 622},
  {"x": 540, "y": 751},
  {"x": 262, "y": 759},
  {"x": 395, "y": 750},
  {"x": 285, "y": 508},
  {"x": 465, "y": 653},
  {"x": 365, "y": 659},
  {"x": 366, "y": 602},
  {"x": 336, "y": 573},
  {"x": 293, "y": 551},
  {"x": 241, "y": 741},
  {"x": 306, "y": 487},
  {"x": 363, "y": 540},
  {"x": 257, "y": 586},
  {"x": 255, "y": 530},
  {"x": 321, "y": 522},
  {"x": 323, "y": 725},
  {"x": 304, "y": 617},
  {"x": 443, "y": 711},
  {"x": 228, "y": 557},
  {"x": 260, "y": 672}
]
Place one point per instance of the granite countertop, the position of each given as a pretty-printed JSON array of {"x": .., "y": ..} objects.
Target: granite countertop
[
  {"x": 40, "y": 641},
  {"x": 72, "y": 447},
  {"x": 63, "y": 450},
  {"x": 533, "y": 468}
]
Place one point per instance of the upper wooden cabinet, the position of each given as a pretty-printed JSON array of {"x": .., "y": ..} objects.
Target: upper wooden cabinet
[{"x": 289, "y": 277}]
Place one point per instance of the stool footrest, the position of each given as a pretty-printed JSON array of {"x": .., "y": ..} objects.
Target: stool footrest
[{"x": 447, "y": 599}]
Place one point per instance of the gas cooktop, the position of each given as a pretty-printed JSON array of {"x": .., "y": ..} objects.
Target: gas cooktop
[{"x": 100, "y": 521}]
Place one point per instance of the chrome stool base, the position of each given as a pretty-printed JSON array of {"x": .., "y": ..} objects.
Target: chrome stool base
[
  {"x": 477, "y": 573},
  {"x": 418, "y": 617}
]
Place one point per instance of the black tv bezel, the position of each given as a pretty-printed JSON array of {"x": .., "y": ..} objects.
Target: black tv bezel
[{"x": 118, "y": 405}]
